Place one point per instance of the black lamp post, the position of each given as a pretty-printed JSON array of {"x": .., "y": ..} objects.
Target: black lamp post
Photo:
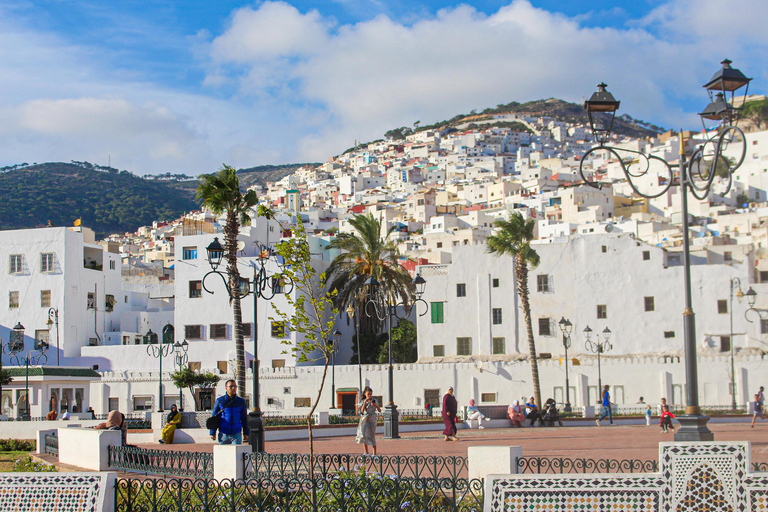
[
  {"x": 158, "y": 350},
  {"x": 380, "y": 305},
  {"x": 695, "y": 175},
  {"x": 333, "y": 342},
  {"x": 16, "y": 345},
  {"x": 351, "y": 313},
  {"x": 566, "y": 327},
  {"x": 735, "y": 291},
  {"x": 265, "y": 285},
  {"x": 180, "y": 349},
  {"x": 598, "y": 347},
  {"x": 53, "y": 320}
]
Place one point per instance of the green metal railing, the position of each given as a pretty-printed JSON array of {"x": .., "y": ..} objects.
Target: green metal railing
[
  {"x": 341, "y": 492},
  {"x": 161, "y": 462}
]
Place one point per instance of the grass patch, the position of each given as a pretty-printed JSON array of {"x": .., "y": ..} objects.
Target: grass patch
[{"x": 8, "y": 458}]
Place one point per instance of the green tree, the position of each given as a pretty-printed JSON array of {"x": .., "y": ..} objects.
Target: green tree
[
  {"x": 186, "y": 378},
  {"x": 311, "y": 313},
  {"x": 403, "y": 344},
  {"x": 370, "y": 348},
  {"x": 220, "y": 193},
  {"x": 513, "y": 238},
  {"x": 5, "y": 377},
  {"x": 363, "y": 255}
]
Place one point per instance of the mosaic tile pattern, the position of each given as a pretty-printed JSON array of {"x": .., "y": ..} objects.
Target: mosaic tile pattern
[
  {"x": 64, "y": 492},
  {"x": 692, "y": 477}
]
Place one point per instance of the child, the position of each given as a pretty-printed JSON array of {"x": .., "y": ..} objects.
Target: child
[
  {"x": 666, "y": 420},
  {"x": 647, "y": 414}
]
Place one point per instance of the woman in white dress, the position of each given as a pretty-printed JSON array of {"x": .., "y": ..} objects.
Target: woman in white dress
[{"x": 366, "y": 429}]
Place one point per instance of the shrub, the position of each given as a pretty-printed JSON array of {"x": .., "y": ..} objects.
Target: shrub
[
  {"x": 17, "y": 445},
  {"x": 28, "y": 465}
]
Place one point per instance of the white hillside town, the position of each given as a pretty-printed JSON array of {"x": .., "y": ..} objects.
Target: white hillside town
[{"x": 610, "y": 261}]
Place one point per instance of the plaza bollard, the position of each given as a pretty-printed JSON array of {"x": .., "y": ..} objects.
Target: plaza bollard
[
  {"x": 492, "y": 460},
  {"x": 323, "y": 418},
  {"x": 589, "y": 412},
  {"x": 228, "y": 461}
]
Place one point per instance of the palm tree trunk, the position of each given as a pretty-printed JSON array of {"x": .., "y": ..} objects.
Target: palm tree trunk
[
  {"x": 231, "y": 231},
  {"x": 521, "y": 273}
]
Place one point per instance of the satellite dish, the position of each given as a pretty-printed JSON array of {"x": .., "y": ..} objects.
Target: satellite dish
[
  {"x": 609, "y": 228},
  {"x": 762, "y": 253},
  {"x": 240, "y": 245},
  {"x": 479, "y": 366}
]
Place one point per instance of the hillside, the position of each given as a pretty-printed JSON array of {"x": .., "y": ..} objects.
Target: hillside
[
  {"x": 264, "y": 173},
  {"x": 107, "y": 201}
]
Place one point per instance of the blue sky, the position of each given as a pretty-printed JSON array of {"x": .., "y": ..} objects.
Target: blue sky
[{"x": 172, "y": 86}]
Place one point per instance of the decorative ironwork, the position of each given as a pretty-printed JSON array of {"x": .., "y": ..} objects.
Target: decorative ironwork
[
  {"x": 347, "y": 491},
  {"x": 562, "y": 465},
  {"x": 161, "y": 462},
  {"x": 52, "y": 444}
]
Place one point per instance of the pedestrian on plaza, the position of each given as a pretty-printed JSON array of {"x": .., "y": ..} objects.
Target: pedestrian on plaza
[
  {"x": 648, "y": 414},
  {"x": 641, "y": 401},
  {"x": 759, "y": 406},
  {"x": 171, "y": 423},
  {"x": 233, "y": 426},
  {"x": 473, "y": 413},
  {"x": 450, "y": 407},
  {"x": 115, "y": 421},
  {"x": 366, "y": 429},
  {"x": 666, "y": 420},
  {"x": 51, "y": 416},
  {"x": 661, "y": 406},
  {"x": 532, "y": 412},
  {"x": 65, "y": 416},
  {"x": 515, "y": 413},
  {"x": 93, "y": 413},
  {"x": 606, "y": 407}
]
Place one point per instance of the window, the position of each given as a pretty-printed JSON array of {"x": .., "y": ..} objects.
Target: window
[
  {"x": 725, "y": 343},
  {"x": 763, "y": 326},
  {"x": 112, "y": 265},
  {"x": 278, "y": 330},
  {"x": 438, "y": 350},
  {"x": 45, "y": 298},
  {"x": 496, "y": 316},
  {"x": 15, "y": 264},
  {"x": 722, "y": 307},
  {"x": 277, "y": 284},
  {"x": 545, "y": 327},
  {"x": 463, "y": 346},
  {"x": 728, "y": 256},
  {"x": 109, "y": 303},
  {"x": 195, "y": 289},
  {"x": 437, "y": 312},
  {"x": 646, "y": 255},
  {"x": 542, "y": 283},
  {"x": 605, "y": 249},
  {"x": 439, "y": 244},
  {"x": 461, "y": 290},
  {"x": 302, "y": 402},
  {"x": 142, "y": 403},
  {"x": 46, "y": 262},
  {"x": 189, "y": 253},
  {"x": 488, "y": 398},
  {"x": 91, "y": 300},
  {"x": 278, "y": 363},
  {"x": 248, "y": 330},
  {"x": 222, "y": 366},
  {"x": 602, "y": 311},
  {"x": 218, "y": 331},
  {"x": 13, "y": 299},
  {"x": 669, "y": 334},
  {"x": 496, "y": 283},
  {"x": 498, "y": 346},
  {"x": 193, "y": 332},
  {"x": 42, "y": 337},
  {"x": 649, "y": 305}
]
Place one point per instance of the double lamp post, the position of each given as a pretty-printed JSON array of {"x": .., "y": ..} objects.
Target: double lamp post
[{"x": 15, "y": 349}]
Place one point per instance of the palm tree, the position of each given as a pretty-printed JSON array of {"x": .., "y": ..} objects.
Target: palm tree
[
  {"x": 220, "y": 193},
  {"x": 513, "y": 238},
  {"x": 364, "y": 255}
]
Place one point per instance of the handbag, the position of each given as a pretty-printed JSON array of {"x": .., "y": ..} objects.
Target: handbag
[{"x": 214, "y": 421}]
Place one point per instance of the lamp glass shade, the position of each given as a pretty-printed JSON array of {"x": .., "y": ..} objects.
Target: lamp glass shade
[
  {"x": 601, "y": 109},
  {"x": 215, "y": 253},
  {"x": 606, "y": 334},
  {"x": 420, "y": 283}
]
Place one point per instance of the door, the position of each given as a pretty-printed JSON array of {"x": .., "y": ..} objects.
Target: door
[
  {"x": 432, "y": 399},
  {"x": 348, "y": 403}
]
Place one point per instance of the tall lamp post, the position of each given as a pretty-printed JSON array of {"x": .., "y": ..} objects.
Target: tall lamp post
[
  {"x": 180, "y": 349},
  {"x": 695, "y": 175},
  {"x": 351, "y": 313},
  {"x": 735, "y": 291},
  {"x": 380, "y": 305},
  {"x": 566, "y": 327},
  {"x": 53, "y": 320},
  {"x": 598, "y": 347},
  {"x": 264, "y": 285},
  {"x": 334, "y": 344},
  {"x": 159, "y": 350},
  {"x": 16, "y": 346}
]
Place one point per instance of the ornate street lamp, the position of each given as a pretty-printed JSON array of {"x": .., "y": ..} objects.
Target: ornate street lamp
[
  {"x": 159, "y": 350},
  {"x": 53, "y": 320},
  {"x": 351, "y": 313},
  {"x": 15, "y": 346},
  {"x": 180, "y": 349},
  {"x": 566, "y": 327},
  {"x": 601, "y": 110},
  {"x": 264, "y": 285},
  {"x": 695, "y": 175},
  {"x": 735, "y": 292},
  {"x": 598, "y": 347},
  {"x": 380, "y": 305}
]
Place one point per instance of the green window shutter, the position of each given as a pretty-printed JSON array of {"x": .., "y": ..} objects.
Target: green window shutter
[{"x": 437, "y": 312}]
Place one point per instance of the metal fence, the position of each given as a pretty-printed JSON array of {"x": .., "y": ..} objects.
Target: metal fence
[
  {"x": 342, "y": 492},
  {"x": 563, "y": 465},
  {"x": 51, "y": 444},
  {"x": 294, "y": 465},
  {"x": 161, "y": 462}
]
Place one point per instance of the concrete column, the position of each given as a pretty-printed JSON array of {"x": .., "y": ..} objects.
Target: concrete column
[
  {"x": 589, "y": 412},
  {"x": 228, "y": 461},
  {"x": 157, "y": 422},
  {"x": 493, "y": 460},
  {"x": 742, "y": 386}
]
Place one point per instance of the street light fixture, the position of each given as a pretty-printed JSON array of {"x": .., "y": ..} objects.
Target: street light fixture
[
  {"x": 379, "y": 305},
  {"x": 598, "y": 347},
  {"x": 566, "y": 327},
  {"x": 15, "y": 346},
  {"x": 351, "y": 313},
  {"x": 333, "y": 342},
  {"x": 159, "y": 350},
  {"x": 180, "y": 349},
  {"x": 53, "y": 319},
  {"x": 735, "y": 292},
  {"x": 264, "y": 285},
  {"x": 695, "y": 175}
]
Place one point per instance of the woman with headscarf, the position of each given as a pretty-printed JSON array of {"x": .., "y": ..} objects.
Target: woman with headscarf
[
  {"x": 115, "y": 421},
  {"x": 515, "y": 413},
  {"x": 173, "y": 421},
  {"x": 449, "y": 415}
]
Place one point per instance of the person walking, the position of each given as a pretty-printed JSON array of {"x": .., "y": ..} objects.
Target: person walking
[
  {"x": 473, "y": 413},
  {"x": 366, "y": 429},
  {"x": 233, "y": 426},
  {"x": 606, "y": 407},
  {"x": 450, "y": 408},
  {"x": 759, "y": 406},
  {"x": 171, "y": 423},
  {"x": 666, "y": 420},
  {"x": 648, "y": 414}
]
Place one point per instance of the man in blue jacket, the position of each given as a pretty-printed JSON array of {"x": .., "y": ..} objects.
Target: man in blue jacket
[{"x": 233, "y": 428}]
